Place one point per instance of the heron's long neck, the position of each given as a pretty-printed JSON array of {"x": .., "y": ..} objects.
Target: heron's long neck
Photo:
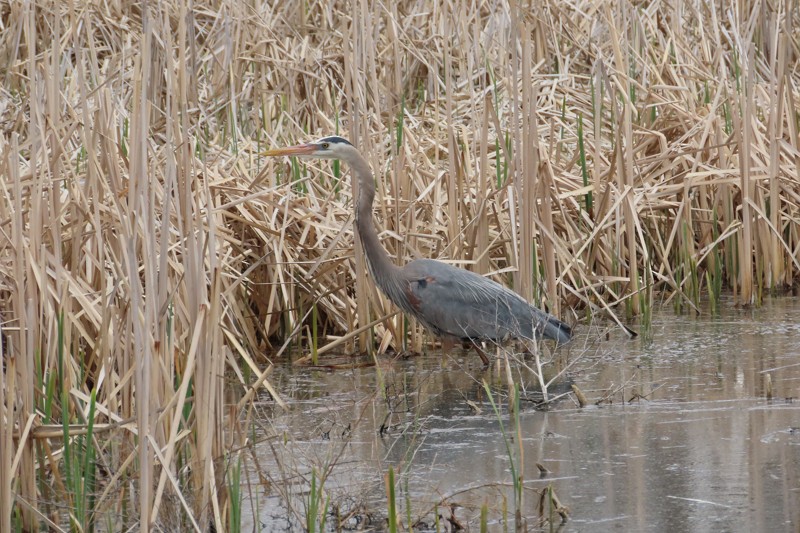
[{"x": 380, "y": 265}]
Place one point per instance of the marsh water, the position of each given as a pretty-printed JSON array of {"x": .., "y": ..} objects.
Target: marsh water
[{"x": 679, "y": 434}]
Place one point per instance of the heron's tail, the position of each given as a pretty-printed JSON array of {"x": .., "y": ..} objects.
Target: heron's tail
[{"x": 556, "y": 330}]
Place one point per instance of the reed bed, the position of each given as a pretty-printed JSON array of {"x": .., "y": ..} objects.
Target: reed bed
[{"x": 589, "y": 154}]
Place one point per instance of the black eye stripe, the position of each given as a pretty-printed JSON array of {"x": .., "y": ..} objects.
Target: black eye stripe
[{"x": 334, "y": 139}]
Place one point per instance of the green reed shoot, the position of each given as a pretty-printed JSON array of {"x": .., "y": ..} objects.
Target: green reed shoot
[
  {"x": 501, "y": 165},
  {"x": 759, "y": 278},
  {"x": 713, "y": 298},
  {"x": 298, "y": 173},
  {"x": 645, "y": 296},
  {"x": 123, "y": 143},
  {"x": 390, "y": 493},
  {"x": 82, "y": 156},
  {"x": 337, "y": 165},
  {"x": 316, "y": 511},
  {"x": 512, "y": 459},
  {"x": 312, "y": 511},
  {"x": 498, "y": 157},
  {"x": 732, "y": 261},
  {"x": 400, "y": 121},
  {"x": 79, "y": 462},
  {"x": 64, "y": 400},
  {"x": 89, "y": 460},
  {"x": 737, "y": 69},
  {"x": 49, "y": 396},
  {"x": 584, "y": 169},
  {"x": 314, "y": 334},
  {"x": 234, "y": 125},
  {"x": 235, "y": 497},
  {"x": 408, "y": 500},
  {"x": 689, "y": 265},
  {"x": 726, "y": 113},
  {"x": 714, "y": 271},
  {"x": 677, "y": 302}
]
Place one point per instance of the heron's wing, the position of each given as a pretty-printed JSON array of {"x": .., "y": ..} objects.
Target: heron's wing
[{"x": 460, "y": 303}]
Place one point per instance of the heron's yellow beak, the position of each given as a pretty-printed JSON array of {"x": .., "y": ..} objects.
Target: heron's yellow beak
[{"x": 300, "y": 149}]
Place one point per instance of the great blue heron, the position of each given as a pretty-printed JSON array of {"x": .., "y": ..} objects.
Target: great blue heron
[{"x": 454, "y": 304}]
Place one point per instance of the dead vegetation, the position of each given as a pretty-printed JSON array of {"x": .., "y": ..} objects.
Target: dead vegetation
[{"x": 587, "y": 153}]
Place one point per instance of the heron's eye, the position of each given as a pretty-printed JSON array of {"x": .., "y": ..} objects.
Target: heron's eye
[{"x": 325, "y": 146}]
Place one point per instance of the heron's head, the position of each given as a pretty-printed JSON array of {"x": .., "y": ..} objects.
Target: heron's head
[{"x": 326, "y": 148}]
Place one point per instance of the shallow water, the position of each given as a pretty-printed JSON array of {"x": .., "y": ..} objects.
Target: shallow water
[{"x": 685, "y": 441}]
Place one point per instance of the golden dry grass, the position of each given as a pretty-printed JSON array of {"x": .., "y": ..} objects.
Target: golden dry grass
[{"x": 146, "y": 249}]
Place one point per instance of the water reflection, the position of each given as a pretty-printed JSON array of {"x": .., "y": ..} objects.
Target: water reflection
[{"x": 684, "y": 442}]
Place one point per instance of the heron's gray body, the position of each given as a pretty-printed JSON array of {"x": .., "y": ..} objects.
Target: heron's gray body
[
  {"x": 457, "y": 303},
  {"x": 451, "y": 302}
]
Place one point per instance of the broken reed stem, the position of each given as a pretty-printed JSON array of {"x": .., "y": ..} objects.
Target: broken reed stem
[{"x": 136, "y": 204}]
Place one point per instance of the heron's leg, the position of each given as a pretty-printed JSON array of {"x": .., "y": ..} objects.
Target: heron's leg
[
  {"x": 481, "y": 353},
  {"x": 448, "y": 343}
]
